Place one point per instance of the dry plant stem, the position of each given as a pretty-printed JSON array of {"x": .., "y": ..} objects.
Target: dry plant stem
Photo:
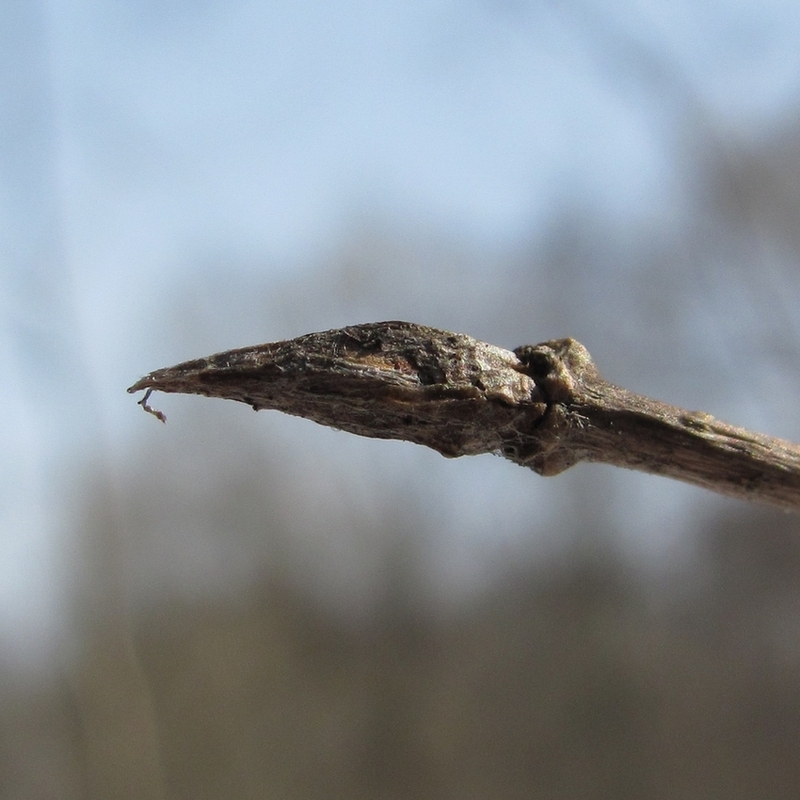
[
  {"x": 542, "y": 406},
  {"x": 149, "y": 409}
]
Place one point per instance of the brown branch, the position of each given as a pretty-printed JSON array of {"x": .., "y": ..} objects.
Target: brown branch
[{"x": 543, "y": 406}]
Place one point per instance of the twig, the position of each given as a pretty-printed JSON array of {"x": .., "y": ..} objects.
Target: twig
[{"x": 543, "y": 406}]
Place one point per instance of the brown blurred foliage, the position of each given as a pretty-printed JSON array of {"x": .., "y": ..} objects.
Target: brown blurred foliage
[{"x": 582, "y": 682}]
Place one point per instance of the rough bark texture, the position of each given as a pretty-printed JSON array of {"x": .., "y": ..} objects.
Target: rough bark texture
[{"x": 542, "y": 406}]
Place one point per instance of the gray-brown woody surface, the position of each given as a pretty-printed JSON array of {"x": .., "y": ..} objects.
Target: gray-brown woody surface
[{"x": 542, "y": 406}]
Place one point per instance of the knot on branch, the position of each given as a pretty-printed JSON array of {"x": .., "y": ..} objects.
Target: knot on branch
[{"x": 558, "y": 367}]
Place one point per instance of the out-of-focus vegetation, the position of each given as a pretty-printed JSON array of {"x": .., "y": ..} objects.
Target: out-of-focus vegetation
[{"x": 580, "y": 681}]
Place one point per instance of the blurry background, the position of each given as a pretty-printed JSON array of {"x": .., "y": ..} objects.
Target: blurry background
[{"x": 241, "y": 605}]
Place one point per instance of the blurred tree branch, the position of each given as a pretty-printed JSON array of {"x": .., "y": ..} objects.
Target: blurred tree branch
[{"x": 542, "y": 406}]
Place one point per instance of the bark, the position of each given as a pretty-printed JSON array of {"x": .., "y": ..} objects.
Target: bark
[{"x": 542, "y": 406}]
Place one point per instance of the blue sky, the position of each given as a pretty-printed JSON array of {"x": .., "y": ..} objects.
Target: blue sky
[
  {"x": 139, "y": 137},
  {"x": 263, "y": 123}
]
